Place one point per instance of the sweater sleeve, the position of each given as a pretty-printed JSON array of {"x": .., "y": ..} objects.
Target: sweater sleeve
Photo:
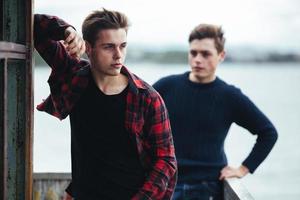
[{"x": 250, "y": 117}]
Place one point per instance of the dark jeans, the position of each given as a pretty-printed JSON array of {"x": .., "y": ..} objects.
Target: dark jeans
[{"x": 205, "y": 190}]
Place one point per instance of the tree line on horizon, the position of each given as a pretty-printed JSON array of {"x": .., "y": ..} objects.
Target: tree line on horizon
[{"x": 180, "y": 57}]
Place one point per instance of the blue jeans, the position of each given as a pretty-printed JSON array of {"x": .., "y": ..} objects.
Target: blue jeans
[{"x": 205, "y": 190}]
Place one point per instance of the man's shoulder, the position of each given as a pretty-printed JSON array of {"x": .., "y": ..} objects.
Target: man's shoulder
[
  {"x": 169, "y": 81},
  {"x": 144, "y": 87},
  {"x": 228, "y": 89},
  {"x": 227, "y": 86},
  {"x": 173, "y": 77},
  {"x": 146, "y": 93}
]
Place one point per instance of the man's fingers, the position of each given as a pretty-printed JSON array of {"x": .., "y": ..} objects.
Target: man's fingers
[
  {"x": 70, "y": 37},
  {"x": 225, "y": 169},
  {"x": 73, "y": 43},
  {"x": 225, "y": 175},
  {"x": 74, "y": 47},
  {"x": 74, "y": 51},
  {"x": 227, "y": 172},
  {"x": 76, "y": 42},
  {"x": 82, "y": 49},
  {"x": 221, "y": 177},
  {"x": 77, "y": 52}
]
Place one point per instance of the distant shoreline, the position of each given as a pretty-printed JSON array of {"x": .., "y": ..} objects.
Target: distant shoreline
[{"x": 180, "y": 57}]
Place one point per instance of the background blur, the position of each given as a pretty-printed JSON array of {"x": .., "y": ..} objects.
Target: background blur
[{"x": 263, "y": 59}]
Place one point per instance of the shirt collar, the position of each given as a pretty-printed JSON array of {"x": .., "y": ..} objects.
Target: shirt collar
[{"x": 135, "y": 82}]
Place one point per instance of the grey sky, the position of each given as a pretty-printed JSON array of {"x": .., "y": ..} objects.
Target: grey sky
[{"x": 264, "y": 23}]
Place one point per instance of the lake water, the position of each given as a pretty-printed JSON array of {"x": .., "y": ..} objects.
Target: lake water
[{"x": 275, "y": 88}]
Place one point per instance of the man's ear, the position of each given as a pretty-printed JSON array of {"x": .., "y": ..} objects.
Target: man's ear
[
  {"x": 88, "y": 48},
  {"x": 222, "y": 56}
]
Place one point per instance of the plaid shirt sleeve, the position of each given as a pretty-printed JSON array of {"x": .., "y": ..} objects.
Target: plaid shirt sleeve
[
  {"x": 161, "y": 180},
  {"x": 48, "y": 31}
]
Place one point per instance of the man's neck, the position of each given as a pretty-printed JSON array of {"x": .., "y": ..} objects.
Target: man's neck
[
  {"x": 204, "y": 80},
  {"x": 110, "y": 85}
]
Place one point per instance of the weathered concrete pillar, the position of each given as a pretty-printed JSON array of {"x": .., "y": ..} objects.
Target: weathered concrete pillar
[{"x": 16, "y": 99}]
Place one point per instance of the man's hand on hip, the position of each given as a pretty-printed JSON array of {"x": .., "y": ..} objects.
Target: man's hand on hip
[{"x": 230, "y": 172}]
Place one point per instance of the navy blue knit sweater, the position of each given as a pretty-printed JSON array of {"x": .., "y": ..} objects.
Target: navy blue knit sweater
[{"x": 201, "y": 115}]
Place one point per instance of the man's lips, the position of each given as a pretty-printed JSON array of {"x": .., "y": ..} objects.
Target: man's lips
[
  {"x": 198, "y": 68},
  {"x": 117, "y": 65}
]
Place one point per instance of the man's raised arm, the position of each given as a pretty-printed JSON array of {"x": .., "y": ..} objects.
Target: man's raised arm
[{"x": 56, "y": 41}]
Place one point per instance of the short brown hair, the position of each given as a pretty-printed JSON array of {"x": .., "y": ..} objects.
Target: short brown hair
[
  {"x": 101, "y": 20},
  {"x": 209, "y": 31}
]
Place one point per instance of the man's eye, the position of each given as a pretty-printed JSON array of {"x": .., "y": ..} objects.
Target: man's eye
[
  {"x": 205, "y": 54},
  {"x": 193, "y": 53},
  {"x": 123, "y": 45}
]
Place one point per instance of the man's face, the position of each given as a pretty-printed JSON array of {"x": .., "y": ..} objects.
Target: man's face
[
  {"x": 204, "y": 59},
  {"x": 109, "y": 52}
]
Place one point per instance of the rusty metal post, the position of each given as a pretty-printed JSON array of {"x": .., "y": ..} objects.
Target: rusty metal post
[{"x": 16, "y": 99}]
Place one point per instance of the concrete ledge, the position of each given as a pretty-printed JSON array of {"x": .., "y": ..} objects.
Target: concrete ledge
[
  {"x": 51, "y": 186},
  {"x": 235, "y": 190},
  {"x": 52, "y": 176}
]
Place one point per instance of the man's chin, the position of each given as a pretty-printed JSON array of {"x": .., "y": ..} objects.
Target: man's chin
[
  {"x": 115, "y": 72},
  {"x": 199, "y": 74}
]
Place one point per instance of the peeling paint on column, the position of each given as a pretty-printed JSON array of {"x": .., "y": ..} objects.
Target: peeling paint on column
[{"x": 16, "y": 100}]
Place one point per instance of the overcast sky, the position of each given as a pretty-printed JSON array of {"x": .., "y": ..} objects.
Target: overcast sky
[{"x": 260, "y": 23}]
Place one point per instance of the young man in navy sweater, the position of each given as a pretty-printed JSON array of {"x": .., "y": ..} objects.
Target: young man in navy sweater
[{"x": 202, "y": 108}]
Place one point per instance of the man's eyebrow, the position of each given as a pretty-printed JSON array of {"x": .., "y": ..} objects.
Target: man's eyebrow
[
  {"x": 200, "y": 51},
  {"x": 108, "y": 44},
  {"x": 112, "y": 44}
]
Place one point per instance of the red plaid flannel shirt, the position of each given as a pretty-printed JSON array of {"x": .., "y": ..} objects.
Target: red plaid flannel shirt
[{"x": 146, "y": 114}]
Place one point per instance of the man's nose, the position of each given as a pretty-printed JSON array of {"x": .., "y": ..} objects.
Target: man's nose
[
  {"x": 118, "y": 53},
  {"x": 198, "y": 58}
]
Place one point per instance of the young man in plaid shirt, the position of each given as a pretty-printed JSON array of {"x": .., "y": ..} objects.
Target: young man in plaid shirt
[{"x": 121, "y": 141}]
